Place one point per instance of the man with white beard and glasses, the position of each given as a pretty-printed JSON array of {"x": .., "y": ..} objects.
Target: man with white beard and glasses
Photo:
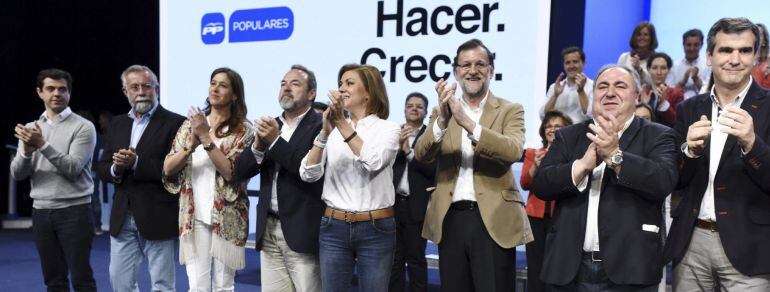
[{"x": 143, "y": 220}]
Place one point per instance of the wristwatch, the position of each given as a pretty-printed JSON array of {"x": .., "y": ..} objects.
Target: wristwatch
[
  {"x": 210, "y": 146},
  {"x": 616, "y": 159}
]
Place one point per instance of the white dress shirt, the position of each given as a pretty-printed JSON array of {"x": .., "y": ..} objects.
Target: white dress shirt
[
  {"x": 716, "y": 146},
  {"x": 680, "y": 68},
  {"x": 287, "y": 129},
  {"x": 591, "y": 241},
  {"x": 403, "y": 184},
  {"x": 464, "y": 189},
  {"x": 358, "y": 183},
  {"x": 568, "y": 102}
]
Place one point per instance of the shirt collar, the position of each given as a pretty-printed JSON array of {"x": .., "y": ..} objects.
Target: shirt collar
[
  {"x": 132, "y": 114},
  {"x": 694, "y": 62},
  {"x": 738, "y": 99},
  {"x": 58, "y": 117},
  {"x": 297, "y": 119},
  {"x": 481, "y": 104},
  {"x": 366, "y": 121}
]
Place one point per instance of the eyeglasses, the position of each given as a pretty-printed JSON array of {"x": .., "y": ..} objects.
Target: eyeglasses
[
  {"x": 140, "y": 87},
  {"x": 467, "y": 66}
]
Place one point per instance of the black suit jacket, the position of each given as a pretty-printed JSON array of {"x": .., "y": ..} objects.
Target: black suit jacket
[
  {"x": 741, "y": 188},
  {"x": 141, "y": 191},
  {"x": 299, "y": 203},
  {"x": 420, "y": 177},
  {"x": 628, "y": 200}
]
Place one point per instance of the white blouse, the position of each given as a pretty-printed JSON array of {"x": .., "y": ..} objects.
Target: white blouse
[
  {"x": 358, "y": 183},
  {"x": 203, "y": 183}
]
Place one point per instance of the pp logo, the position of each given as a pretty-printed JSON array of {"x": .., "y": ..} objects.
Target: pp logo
[{"x": 213, "y": 28}]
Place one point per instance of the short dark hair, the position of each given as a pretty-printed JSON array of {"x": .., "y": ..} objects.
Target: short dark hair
[
  {"x": 55, "y": 74},
  {"x": 573, "y": 49},
  {"x": 311, "y": 81},
  {"x": 470, "y": 45},
  {"x": 320, "y": 105},
  {"x": 693, "y": 33},
  {"x": 549, "y": 116},
  {"x": 731, "y": 25},
  {"x": 656, "y": 55},
  {"x": 638, "y": 30},
  {"x": 419, "y": 95}
]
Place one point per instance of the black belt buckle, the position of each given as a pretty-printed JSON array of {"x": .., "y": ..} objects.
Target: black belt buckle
[
  {"x": 464, "y": 205},
  {"x": 402, "y": 197},
  {"x": 596, "y": 256}
]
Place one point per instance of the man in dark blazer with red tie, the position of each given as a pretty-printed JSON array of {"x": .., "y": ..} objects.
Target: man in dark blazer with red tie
[
  {"x": 143, "y": 220},
  {"x": 721, "y": 229},
  {"x": 609, "y": 177},
  {"x": 289, "y": 209},
  {"x": 411, "y": 178}
]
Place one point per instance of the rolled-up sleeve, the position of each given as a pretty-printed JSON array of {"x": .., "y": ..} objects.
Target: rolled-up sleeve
[
  {"x": 312, "y": 173},
  {"x": 380, "y": 148}
]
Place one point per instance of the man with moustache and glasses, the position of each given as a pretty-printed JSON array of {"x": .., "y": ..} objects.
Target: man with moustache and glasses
[
  {"x": 476, "y": 214},
  {"x": 143, "y": 220},
  {"x": 288, "y": 209},
  {"x": 55, "y": 154}
]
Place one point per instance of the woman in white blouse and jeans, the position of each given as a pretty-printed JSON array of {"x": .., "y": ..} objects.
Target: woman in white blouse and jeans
[{"x": 355, "y": 157}]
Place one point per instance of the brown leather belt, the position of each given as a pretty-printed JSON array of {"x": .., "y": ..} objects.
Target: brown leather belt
[
  {"x": 706, "y": 225},
  {"x": 351, "y": 217}
]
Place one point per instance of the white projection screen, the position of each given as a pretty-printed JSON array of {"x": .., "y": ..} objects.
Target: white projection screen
[{"x": 413, "y": 42}]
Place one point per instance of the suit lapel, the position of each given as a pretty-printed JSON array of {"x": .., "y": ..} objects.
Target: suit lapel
[
  {"x": 152, "y": 127},
  {"x": 490, "y": 112},
  {"x": 751, "y": 104},
  {"x": 419, "y": 133},
  {"x": 703, "y": 108}
]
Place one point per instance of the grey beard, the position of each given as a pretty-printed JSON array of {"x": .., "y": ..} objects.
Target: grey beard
[
  {"x": 143, "y": 107},
  {"x": 287, "y": 104}
]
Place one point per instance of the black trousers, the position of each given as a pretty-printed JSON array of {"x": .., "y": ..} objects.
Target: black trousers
[
  {"x": 469, "y": 259},
  {"x": 410, "y": 251},
  {"x": 63, "y": 238},
  {"x": 536, "y": 252}
]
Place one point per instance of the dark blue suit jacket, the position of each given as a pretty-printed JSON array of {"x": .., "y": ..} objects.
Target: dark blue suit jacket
[
  {"x": 628, "y": 200},
  {"x": 741, "y": 188},
  {"x": 299, "y": 203}
]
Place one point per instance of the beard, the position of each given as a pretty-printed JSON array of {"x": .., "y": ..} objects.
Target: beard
[
  {"x": 287, "y": 102},
  {"x": 290, "y": 102},
  {"x": 143, "y": 104},
  {"x": 473, "y": 90}
]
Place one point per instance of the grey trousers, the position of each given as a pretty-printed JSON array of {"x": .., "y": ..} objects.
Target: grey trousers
[{"x": 705, "y": 267}]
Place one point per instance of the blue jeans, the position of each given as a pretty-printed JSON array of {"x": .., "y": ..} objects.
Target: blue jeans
[
  {"x": 63, "y": 238},
  {"x": 127, "y": 251},
  {"x": 368, "y": 245}
]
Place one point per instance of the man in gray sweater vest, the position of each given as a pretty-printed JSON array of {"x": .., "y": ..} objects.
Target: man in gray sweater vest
[{"x": 55, "y": 153}]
